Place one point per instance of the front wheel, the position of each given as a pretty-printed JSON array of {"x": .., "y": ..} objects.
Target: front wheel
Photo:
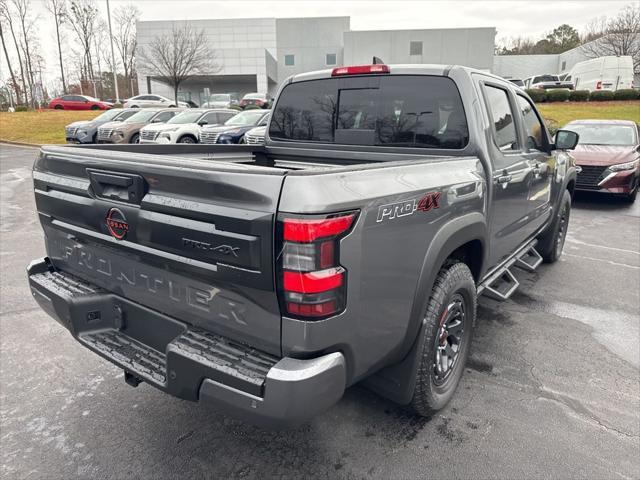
[
  {"x": 95, "y": 107},
  {"x": 58, "y": 107},
  {"x": 135, "y": 138},
  {"x": 551, "y": 244},
  {"x": 187, "y": 139},
  {"x": 634, "y": 193},
  {"x": 448, "y": 330}
]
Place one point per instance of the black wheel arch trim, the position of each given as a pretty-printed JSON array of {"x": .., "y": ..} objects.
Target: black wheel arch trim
[{"x": 397, "y": 381}]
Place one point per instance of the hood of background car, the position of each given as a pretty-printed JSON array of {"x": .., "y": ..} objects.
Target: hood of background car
[
  {"x": 161, "y": 127},
  {"x": 82, "y": 123},
  {"x": 224, "y": 128},
  {"x": 603, "y": 155}
]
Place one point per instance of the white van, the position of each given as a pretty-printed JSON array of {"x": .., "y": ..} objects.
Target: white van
[{"x": 603, "y": 73}]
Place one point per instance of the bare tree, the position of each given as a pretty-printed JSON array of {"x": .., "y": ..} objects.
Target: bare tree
[
  {"x": 124, "y": 37},
  {"x": 26, "y": 21},
  {"x": 58, "y": 8},
  {"x": 177, "y": 56},
  {"x": 84, "y": 17},
  {"x": 616, "y": 36},
  {"x": 16, "y": 87},
  {"x": 6, "y": 14}
]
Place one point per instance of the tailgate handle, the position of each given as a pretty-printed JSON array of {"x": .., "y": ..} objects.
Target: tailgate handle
[{"x": 122, "y": 187}]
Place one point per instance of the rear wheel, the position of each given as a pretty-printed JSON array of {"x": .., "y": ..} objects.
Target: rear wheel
[
  {"x": 187, "y": 139},
  {"x": 551, "y": 244},
  {"x": 134, "y": 106},
  {"x": 448, "y": 330},
  {"x": 135, "y": 138},
  {"x": 59, "y": 107},
  {"x": 95, "y": 107}
]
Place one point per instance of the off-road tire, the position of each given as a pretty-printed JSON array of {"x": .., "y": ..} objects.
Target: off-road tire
[
  {"x": 551, "y": 243},
  {"x": 453, "y": 281}
]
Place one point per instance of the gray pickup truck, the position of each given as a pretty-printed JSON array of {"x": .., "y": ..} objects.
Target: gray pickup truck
[{"x": 350, "y": 247}]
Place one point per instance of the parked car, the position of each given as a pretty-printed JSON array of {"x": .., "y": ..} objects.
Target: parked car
[
  {"x": 222, "y": 100},
  {"x": 185, "y": 127},
  {"x": 86, "y": 131},
  {"x": 78, "y": 102},
  {"x": 546, "y": 82},
  {"x": 609, "y": 155},
  {"x": 258, "y": 99},
  {"x": 518, "y": 82},
  {"x": 152, "y": 101},
  {"x": 603, "y": 73},
  {"x": 350, "y": 247},
  {"x": 255, "y": 136},
  {"x": 128, "y": 131},
  {"x": 233, "y": 130}
]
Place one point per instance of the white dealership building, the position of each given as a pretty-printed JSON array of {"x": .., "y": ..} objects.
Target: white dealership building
[{"x": 257, "y": 54}]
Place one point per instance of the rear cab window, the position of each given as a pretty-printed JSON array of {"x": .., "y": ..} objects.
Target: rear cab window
[{"x": 416, "y": 111}]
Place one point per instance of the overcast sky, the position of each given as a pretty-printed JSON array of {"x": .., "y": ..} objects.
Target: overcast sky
[{"x": 510, "y": 18}]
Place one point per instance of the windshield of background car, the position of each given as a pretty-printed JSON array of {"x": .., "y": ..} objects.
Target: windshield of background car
[
  {"x": 186, "y": 117},
  {"x": 546, "y": 78},
  {"x": 401, "y": 110},
  {"x": 246, "y": 118},
  {"x": 109, "y": 115},
  {"x": 126, "y": 114},
  {"x": 142, "y": 116},
  {"x": 219, "y": 98},
  {"x": 605, "y": 134}
]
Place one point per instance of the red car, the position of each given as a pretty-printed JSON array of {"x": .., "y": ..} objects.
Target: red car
[
  {"x": 258, "y": 99},
  {"x": 608, "y": 152},
  {"x": 79, "y": 102}
]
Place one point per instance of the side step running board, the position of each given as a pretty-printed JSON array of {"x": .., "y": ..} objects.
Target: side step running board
[
  {"x": 501, "y": 284},
  {"x": 530, "y": 260}
]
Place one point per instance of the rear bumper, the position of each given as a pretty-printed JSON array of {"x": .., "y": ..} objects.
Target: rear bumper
[{"x": 187, "y": 362}]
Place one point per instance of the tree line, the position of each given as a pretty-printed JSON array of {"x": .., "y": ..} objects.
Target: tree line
[
  {"x": 619, "y": 35},
  {"x": 84, "y": 54}
]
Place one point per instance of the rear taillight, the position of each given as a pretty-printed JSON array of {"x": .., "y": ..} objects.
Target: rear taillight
[
  {"x": 599, "y": 86},
  {"x": 360, "y": 70},
  {"x": 311, "y": 282}
]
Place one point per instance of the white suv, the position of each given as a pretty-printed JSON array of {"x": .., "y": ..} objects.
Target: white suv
[
  {"x": 185, "y": 127},
  {"x": 152, "y": 101}
]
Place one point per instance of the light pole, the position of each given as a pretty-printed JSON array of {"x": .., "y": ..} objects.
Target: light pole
[{"x": 113, "y": 57}]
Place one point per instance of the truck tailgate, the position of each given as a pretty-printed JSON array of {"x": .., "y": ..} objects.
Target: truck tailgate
[{"x": 192, "y": 239}]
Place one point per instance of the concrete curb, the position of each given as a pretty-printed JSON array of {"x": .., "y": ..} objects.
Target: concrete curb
[{"x": 20, "y": 144}]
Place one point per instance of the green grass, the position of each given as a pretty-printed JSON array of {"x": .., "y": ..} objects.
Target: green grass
[
  {"x": 41, "y": 127},
  {"x": 563, "y": 112}
]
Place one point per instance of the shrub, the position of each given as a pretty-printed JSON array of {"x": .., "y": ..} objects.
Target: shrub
[
  {"x": 252, "y": 107},
  {"x": 626, "y": 94},
  {"x": 236, "y": 107},
  {"x": 558, "y": 95},
  {"x": 601, "y": 95},
  {"x": 537, "y": 94},
  {"x": 579, "y": 95},
  {"x": 22, "y": 108},
  {"x": 552, "y": 125},
  {"x": 117, "y": 105}
]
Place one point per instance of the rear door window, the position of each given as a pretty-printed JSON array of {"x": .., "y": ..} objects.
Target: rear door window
[
  {"x": 394, "y": 110},
  {"x": 536, "y": 137},
  {"x": 504, "y": 128}
]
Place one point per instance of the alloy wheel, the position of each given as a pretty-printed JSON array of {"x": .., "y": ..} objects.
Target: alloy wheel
[{"x": 449, "y": 339}]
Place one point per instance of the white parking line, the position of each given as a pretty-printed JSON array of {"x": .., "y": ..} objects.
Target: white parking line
[
  {"x": 580, "y": 242},
  {"x": 617, "y": 264}
]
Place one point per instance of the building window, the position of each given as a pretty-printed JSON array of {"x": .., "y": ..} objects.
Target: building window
[
  {"x": 289, "y": 60},
  {"x": 564, "y": 65},
  {"x": 415, "y": 48},
  {"x": 331, "y": 59}
]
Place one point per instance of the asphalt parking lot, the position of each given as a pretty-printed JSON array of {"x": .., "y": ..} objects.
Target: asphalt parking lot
[{"x": 552, "y": 389}]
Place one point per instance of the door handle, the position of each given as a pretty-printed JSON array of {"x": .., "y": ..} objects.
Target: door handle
[
  {"x": 504, "y": 179},
  {"x": 537, "y": 170}
]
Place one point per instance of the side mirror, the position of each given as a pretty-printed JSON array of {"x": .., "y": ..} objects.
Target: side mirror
[
  {"x": 566, "y": 140},
  {"x": 203, "y": 123},
  {"x": 638, "y": 149}
]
